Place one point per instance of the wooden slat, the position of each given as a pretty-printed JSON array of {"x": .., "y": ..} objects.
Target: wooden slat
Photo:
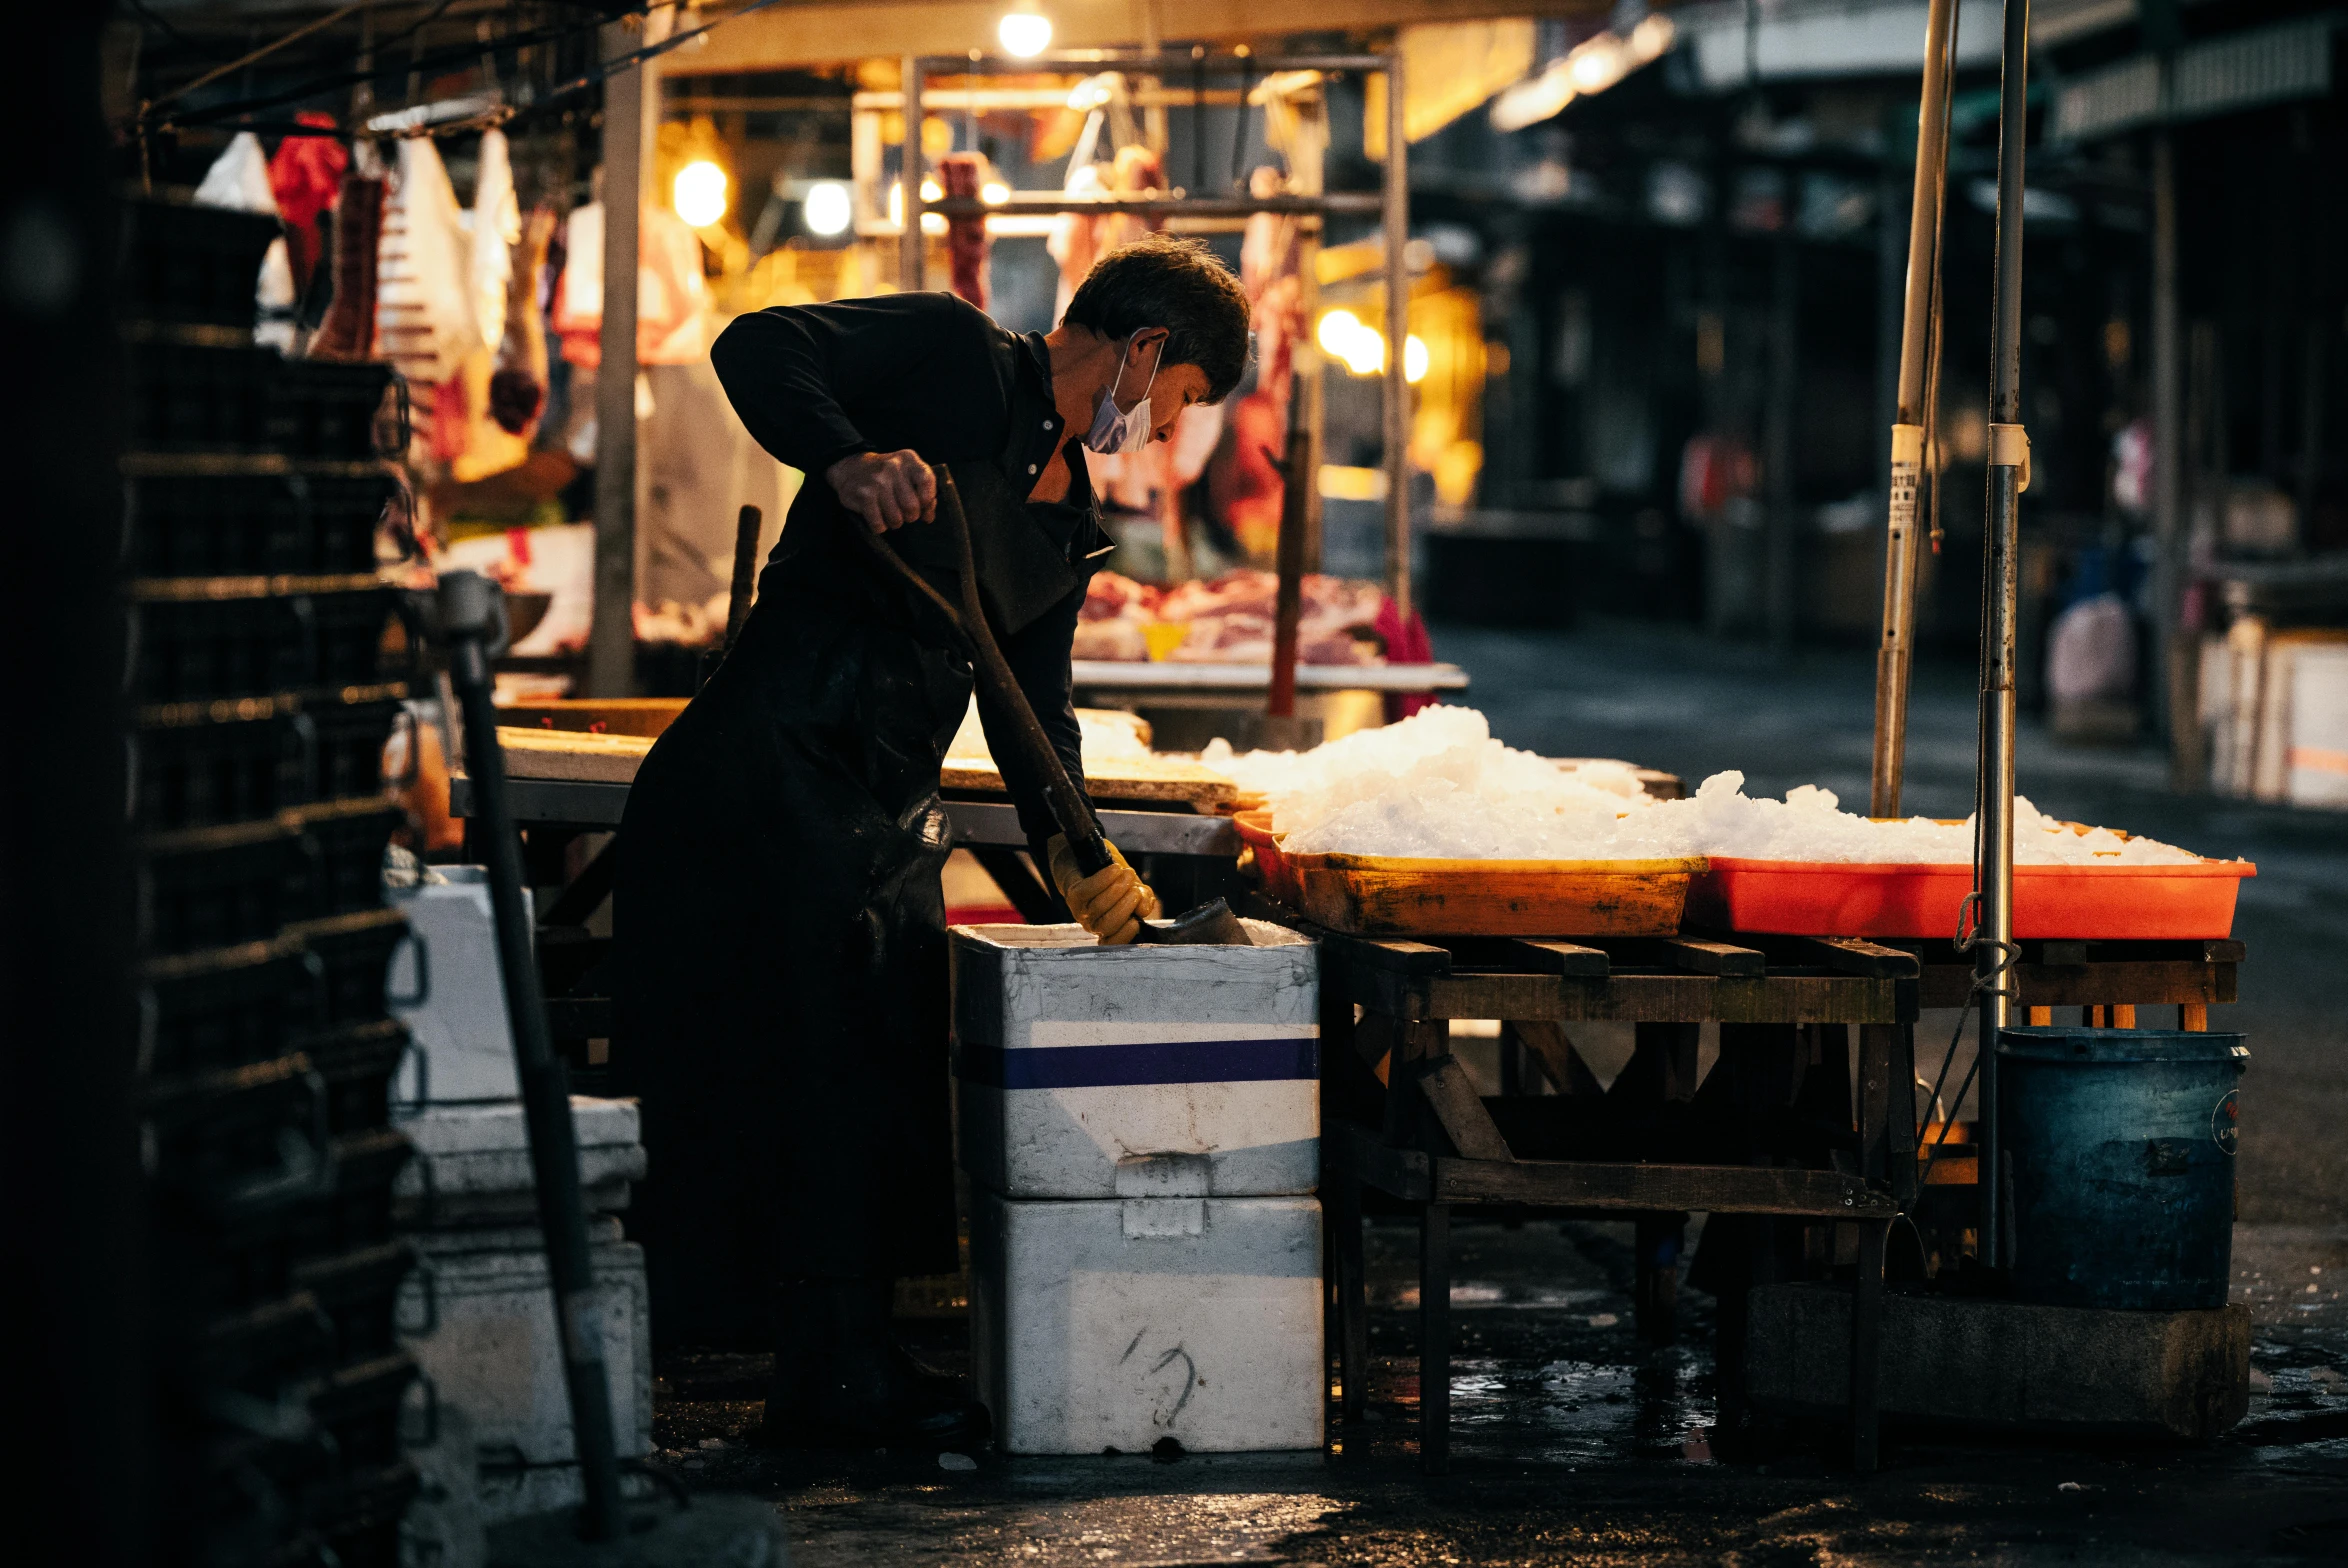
[
  {"x": 1461, "y": 1111},
  {"x": 1855, "y": 956},
  {"x": 1396, "y": 955},
  {"x": 1712, "y": 958},
  {"x": 2091, "y": 985},
  {"x": 1400, "y": 1173},
  {"x": 1561, "y": 958},
  {"x": 1786, "y": 999},
  {"x": 2060, "y": 954},
  {"x": 1713, "y": 1189}
]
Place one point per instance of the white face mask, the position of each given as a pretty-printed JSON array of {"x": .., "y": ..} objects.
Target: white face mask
[{"x": 1126, "y": 430}]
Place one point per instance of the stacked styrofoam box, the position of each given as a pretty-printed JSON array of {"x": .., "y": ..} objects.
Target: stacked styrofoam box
[
  {"x": 479, "y": 1316},
  {"x": 1142, "y": 1126},
  {"x": 2275, "y": 706}
]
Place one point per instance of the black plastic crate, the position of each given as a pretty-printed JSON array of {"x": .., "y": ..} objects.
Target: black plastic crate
[
  {"x": 203, "y": 770},
  {"x": 347, "y": 741},
  {"x": 357, "y": 1297},
  {"x": 357, "y": 1211},
  {"x": 258, "y": 1350},
  {"x": 229, "y": 524},
  {"x": 201, "y": 639},
  {"x": 353, "y": 954},
  {"x": 358, "y": 1063},
  {"x": 227, "y": 1008},
  {"x": 356, "y": 1518},
  {"x": 240, "y": 1142},
  {"x": 221, "y": 886},
  {"x": 341, "y": 845},
  {"x": 197, "y": 639},
  {"x": 327, "y": 408},
  {"x": 191, "y": 397},
  {"x": 184, "y": 265},
  {"x": 358, "y": 1406},
  {"x": 348, "y": 629}
]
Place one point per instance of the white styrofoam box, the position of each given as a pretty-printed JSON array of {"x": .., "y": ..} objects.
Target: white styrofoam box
[
  {"x": 472, "y": 1164},
  {"x": 463, "y": 1044},
  {"x": 2318, "y": 758},
  {"x": 1115, "y": 1324},
  {"x": 1084, "y": 1071},
  {"x": 480, "y": 1322}
]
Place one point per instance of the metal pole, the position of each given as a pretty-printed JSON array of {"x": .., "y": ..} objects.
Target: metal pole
[
  {"x": 1781, "y": 605},
  {"x": 1893, "y": 655},
  {"x": 471, "y": 612},
  {"x": 611, "y": 640},
  {"x": 2168, "y": 461},
  {"x": 910, "y": 255},
  {"x": 1397, "y": 385},
  {"x": 2009, "y": 456}
]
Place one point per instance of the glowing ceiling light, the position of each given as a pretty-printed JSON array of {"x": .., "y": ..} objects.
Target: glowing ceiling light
[
  {"x": 897, "y": 205},
  {"x": 699, "y": 194},
  {"x": 1336, "y": 332},
  {"x": 1653, "y": 37},
  {"x": 1414, "y": 359},
  {"x": 931, "y": 190},
  {"x": 994, "y": 193},
  {"x": 1024, "y": 34},
  {"x": 827, "y": 208},
  {"x": 1598, "y": 64}
]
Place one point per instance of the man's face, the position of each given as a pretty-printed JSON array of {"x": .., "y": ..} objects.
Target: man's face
[
  {"x": 1175, "y": 387},
  {"x": 1179, "y": 386}
]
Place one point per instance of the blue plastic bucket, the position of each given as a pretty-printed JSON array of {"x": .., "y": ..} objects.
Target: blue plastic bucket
[{"x": 2119, "y": 1149}]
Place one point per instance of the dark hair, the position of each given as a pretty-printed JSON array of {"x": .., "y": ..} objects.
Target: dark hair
[{"x": 1180, "y": 285}]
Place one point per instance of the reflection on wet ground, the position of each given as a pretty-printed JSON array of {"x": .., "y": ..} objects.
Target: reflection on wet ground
[{"x": 1574, "y": 1443}]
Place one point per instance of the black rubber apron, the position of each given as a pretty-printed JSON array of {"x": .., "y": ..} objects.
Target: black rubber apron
[{"x": 782, "y": 965}]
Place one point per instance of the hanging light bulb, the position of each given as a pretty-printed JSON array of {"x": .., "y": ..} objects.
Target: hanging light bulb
[
  {"x": 699, "y": 193},
  {"x": 1024, "y": 34},
  {"x": 827, "y": 208}
]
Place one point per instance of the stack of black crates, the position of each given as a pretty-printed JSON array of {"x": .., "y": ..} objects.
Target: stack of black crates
[{"x": 253, "y": 486}]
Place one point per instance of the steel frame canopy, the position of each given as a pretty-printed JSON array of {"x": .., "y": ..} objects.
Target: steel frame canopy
[{"x": 1391, "y": 205}]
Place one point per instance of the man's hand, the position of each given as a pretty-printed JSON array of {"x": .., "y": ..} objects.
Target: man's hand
[
  {"x": 886, "y": 489},
  {"x": 1111, "y": 903}
]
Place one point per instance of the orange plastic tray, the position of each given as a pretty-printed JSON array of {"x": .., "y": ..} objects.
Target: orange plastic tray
[
  {"x": 1255, "y": 830},
  {"x": 2107, "y": 903}
]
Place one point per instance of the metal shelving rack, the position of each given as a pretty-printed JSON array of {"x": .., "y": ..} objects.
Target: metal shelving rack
[{"x": 1390, "y": 204}]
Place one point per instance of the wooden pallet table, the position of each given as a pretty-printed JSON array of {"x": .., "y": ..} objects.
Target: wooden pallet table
[{"x": 1769, "y": 1134}]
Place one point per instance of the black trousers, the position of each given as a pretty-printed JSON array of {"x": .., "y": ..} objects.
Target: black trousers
[{"x": 781, "y": 973}]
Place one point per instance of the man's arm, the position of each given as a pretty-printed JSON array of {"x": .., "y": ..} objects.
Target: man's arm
[{"x": 793, "y": 372}]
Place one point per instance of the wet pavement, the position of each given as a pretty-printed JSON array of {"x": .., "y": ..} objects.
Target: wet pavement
[{"x": 1573, "y": 1443}]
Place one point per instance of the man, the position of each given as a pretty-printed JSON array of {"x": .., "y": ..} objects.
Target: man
[{"x": 779, "y": 916}]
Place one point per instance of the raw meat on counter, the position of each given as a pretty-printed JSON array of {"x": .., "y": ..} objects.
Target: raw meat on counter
[{"x": 1230, "y": 619}]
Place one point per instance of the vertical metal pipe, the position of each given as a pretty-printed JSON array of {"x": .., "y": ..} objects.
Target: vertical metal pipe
[
  {"x": 2007, "y": 459},
  {"x": 1782, "y": 538},
  {"x": 910, "y": 254},
  {"x": 1396, "y": 219},
  {"x": 1895, "y": 652},
  {"x": 470, "y": 610},
  {"x": 611, "y": 639},
  {"x": 2168, "y": 460}
]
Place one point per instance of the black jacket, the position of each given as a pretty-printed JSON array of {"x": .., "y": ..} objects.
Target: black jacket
[{"x": 932, "y": 374}]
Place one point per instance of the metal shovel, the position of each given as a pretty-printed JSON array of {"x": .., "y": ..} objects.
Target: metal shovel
[{"x": 1211, "y": 924}]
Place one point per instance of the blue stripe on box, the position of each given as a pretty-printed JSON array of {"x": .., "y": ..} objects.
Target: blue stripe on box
[{"x": 1143, "y": 1062}]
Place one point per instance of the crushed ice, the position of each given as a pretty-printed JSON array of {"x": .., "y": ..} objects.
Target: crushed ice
[{"x": 1438, "y": 786}]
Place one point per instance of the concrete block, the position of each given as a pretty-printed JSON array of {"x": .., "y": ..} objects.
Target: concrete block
[
  {"x": 472, "y": 1164},
  {"x": 1117, "y": 1324},
  {"x": 480, "y": 1322},
  {"x": 1091, "y": 1072},
  {"x": 463, "y": 1045},
  {"x": 1988, "y": 1364}
]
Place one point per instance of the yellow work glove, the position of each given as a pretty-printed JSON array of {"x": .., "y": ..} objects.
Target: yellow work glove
[{"x": 1111, "y": 903}]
